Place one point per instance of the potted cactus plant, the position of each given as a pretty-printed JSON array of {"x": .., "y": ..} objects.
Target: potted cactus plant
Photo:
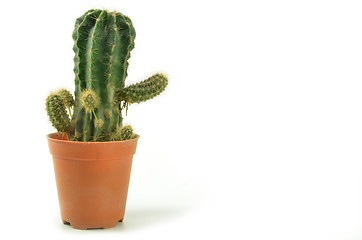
[{"x": 92, "y": 149}]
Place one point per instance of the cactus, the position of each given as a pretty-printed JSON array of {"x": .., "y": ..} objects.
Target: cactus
[
  {"x": 57, "y": 113},
  {"x": 67, "y": 98},
  {"x": 144, "y": 90},
  {"x": 123, "y": 133},
  {"x": 103, "y": 41}
]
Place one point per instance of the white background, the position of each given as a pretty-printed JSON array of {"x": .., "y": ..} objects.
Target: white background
[{"x": 258, "y": 135}]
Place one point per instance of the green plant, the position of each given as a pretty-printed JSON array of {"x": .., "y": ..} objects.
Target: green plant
[{"x": 103, "y": 41}]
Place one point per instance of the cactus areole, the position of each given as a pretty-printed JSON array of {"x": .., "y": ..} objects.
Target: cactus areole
[{"x": 103, "y": 42}]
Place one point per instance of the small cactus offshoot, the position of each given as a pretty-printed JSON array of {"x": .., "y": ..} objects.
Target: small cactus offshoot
[
  {"x": 103, "y": 41},
  {"x": 89, "y": 100},
  {"x": 126, "y": 133},
  {"x": 145, "y": 90},
  {"x": 123, "y": 133},
  {"x": 57, "y": 113},
  {"x": 67, "y": 97}
]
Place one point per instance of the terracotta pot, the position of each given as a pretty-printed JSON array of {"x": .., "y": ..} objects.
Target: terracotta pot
[{"x": 92, "y": 180}]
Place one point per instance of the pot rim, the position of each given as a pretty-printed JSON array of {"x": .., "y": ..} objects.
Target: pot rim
[{"x": 51, "y": 138}]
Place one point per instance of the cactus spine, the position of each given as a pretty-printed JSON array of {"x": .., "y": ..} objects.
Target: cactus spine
[{"x": 102, "y": 44}]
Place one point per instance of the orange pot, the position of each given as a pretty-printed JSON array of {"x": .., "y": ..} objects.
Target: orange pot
[{"x": 92, "y": 180}]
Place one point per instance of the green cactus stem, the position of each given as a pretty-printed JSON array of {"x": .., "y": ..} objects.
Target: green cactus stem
[
  {"x": 126, "y": 133},
  {"x": 68, "y": 99},
  {"x": 57, "y": 113},
  {"x": 123, "y": 133},
  {"x": 145, "y": 90},
  {"x": 103, "y": 42},
  {"x": 90, "y": 102}
]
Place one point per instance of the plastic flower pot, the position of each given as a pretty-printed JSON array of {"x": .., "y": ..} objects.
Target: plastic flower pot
[{"x": 92, "y": 180}]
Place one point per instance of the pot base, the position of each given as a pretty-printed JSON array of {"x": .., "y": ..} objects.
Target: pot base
[{"x": 84, "y": 227}]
